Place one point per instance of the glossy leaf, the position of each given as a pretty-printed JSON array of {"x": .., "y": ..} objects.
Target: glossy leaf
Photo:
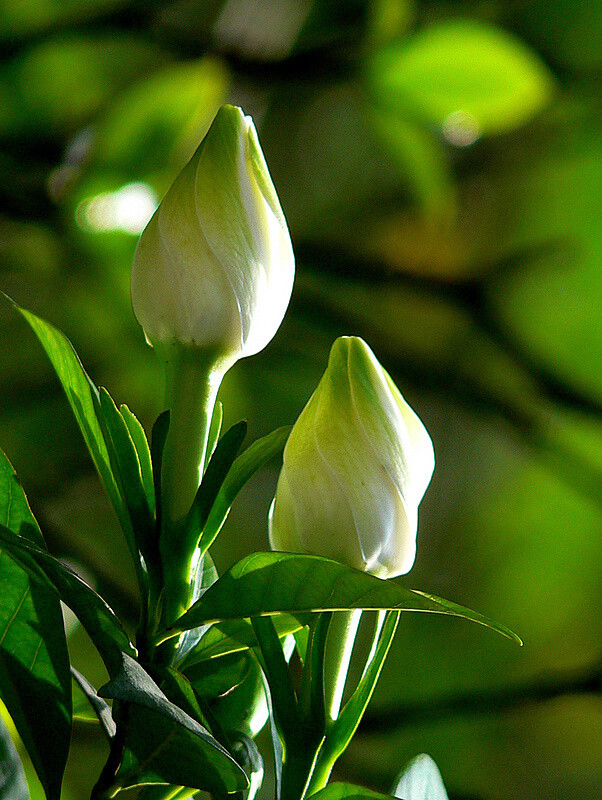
[
  {"x": 215, "y": 428},
  {"x": 34, "y": 662},
  {"x": 249, "y": 756},
  {"x": 164, "y": 744},
  {"x": 269, "y": 583},
  {"x": 220, "y": 463},
  {"x": 98, "y": 705},
  {"x": 158, "y": 437},
  {"x": 159, "y": 792},
  {"x": 233, "y": 636},
  {"x": 420, "y": 780},
  {"x": 12, "y": 777},
  {"x": 246, "y": 465},
  {"x": 244, "y": 708},
  {"x": 341, "y": 731},
  {"x": 347, "y": 791},
  {"x": 464, "y": 73},
  {"x": 204, "y": 576},
  {"x": 95, "y": 615},
  {"x": 138, "y": 437},
  {"x": 127, "y": 472},
  {"x": 84, "y": 400}
]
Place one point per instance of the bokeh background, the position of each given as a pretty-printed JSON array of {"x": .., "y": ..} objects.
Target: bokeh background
[{"x": 439, "y": 166}]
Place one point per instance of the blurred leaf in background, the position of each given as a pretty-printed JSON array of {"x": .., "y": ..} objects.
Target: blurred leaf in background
[{"x": 438, "y": 164}]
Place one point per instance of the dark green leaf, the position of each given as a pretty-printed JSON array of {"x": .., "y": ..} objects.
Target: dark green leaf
[
  {"x": 269, "y": 583},
  {"x": 246, "y": 465},
  {"x": 13, "y": 785},
  {"x": 159, "y": 792},
  {"x": 244, "y": 708},
  {"x": 95, "y": 615},
  {"x": 232, "y": 636},
  {"x": 205, "y": 576},
  {"x": 100, "y": 708},
  {"x": 35, "y": 683},
  {"x": 158, "y": 437},
  {"x": 179, "y": 690},
  {"x": 420, "y": 780},
  {"x": 347, "y": 791},
  {"x": 164, "y": 743},
  {"x": 249, "y": 757},
  {"x": 83, "y": 398},
  {"x": 311, "y": 696},
  {"x": 128, "y": 476},
  {"x": 138, "y": 436},
  {"x": 341, "y": 730},
  {"x": 220, "y": 463},
  {"x": 217, "y": 676},
  {"x": 215, "y": 428},
  {"x": 276, "y": 672}
]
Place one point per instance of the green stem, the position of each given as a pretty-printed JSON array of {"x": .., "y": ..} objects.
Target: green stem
[
  {"x": 192, "y": 384},
  {"x": 341, "y": 638},
  {"x": 340, "y": 731},
  {"x": 191, "y": 390}
]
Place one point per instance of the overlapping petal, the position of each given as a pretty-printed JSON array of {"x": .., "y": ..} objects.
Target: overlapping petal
[{"x": 356, "y": 466}]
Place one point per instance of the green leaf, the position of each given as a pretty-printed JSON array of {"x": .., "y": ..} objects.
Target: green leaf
[
  {"x": 205, "y": 576},
  {"x": 347, "y": 791},
  {"x": 244, "y": 708},
  {"x": 138, "y": 437},
  {"x": 35, "y": 683},
  {"x": 217, "y": 676},
  {"x": 420, "y": 780},
  {"x": 98, "y": 619},
  {"x": 12, "y": 777},
  {"x": 127, "y": 471},
  {"x": 481, "y": 77},
  {"x": 84, "y": 400},
  {"x": 164, "y": 744},
  {"x": 269, "y": 583},
  {"x": 220, "y": 463},
  {"x": 165, "y": 793},
  {"x": 254, "y": 458},
  {"x": 342, "y": 730},
  {"x": 100, "y": 708},
  {"x": 158, "y": 437},
  {"x": 233, "y": 636},
  {"x": 249, "y": 756},
  {"x": 215, "y": 427}
]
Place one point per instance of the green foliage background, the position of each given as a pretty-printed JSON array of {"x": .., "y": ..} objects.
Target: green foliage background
[{"x": 438, "y": 164}]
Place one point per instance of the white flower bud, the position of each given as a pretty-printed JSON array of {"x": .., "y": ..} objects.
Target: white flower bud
[
  {"x": 356, "y": 465},
  {"x": 214, "y": 267}
]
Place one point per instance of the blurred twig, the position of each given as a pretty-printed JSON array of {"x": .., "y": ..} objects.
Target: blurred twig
[{"x": 480, "y": 703}]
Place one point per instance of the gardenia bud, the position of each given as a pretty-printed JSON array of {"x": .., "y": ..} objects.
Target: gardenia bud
[
  {"x": 356, "y": 465},
  {"x": 214, "y": 267}
]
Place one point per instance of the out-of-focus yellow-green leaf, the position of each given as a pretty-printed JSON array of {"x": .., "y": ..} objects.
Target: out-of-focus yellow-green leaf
[
  {"x": 159, "y": 121},
  {"x": 62, "y": 82},
  {"x": 25, "y": 17},
  {"x": 421, "y": 159},
  {"x": 465, "y": 77},
  {"x": 552, "y": 305}
]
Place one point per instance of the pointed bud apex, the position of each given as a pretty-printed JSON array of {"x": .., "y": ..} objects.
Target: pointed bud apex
[
  {"x": 214, "y": 267},
  {"x": 356, "y": 466}
]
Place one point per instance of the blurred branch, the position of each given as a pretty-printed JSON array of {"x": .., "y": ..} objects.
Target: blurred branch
[
  {"x": 528, "y": 420},
  {"x": 480, "y": 703},
  {"x": 471, "y": 296}
]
